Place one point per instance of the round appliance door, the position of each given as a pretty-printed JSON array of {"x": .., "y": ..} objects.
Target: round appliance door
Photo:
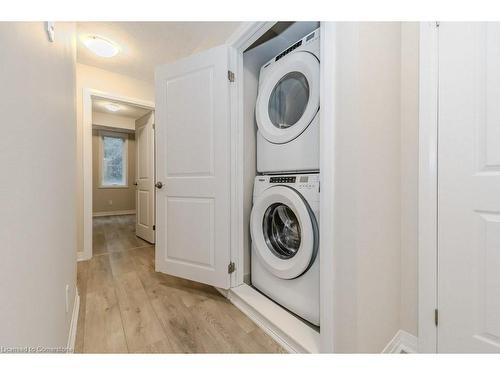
[
  {"x": 284, "y": 232},
  {"x": 288, "y": 98}
]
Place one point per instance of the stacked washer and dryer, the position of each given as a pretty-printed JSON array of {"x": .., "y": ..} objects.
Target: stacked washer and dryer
[{"x": 285, "y": 214}]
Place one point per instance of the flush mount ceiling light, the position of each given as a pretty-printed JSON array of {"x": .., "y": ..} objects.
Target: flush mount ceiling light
[
  {"x": 100, "y": 46},
  {"x": 112, "y": 107}
]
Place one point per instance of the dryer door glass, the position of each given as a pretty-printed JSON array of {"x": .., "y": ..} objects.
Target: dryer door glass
[
  {"x": 288, "y": 100},
  {"x": 281, "y": 231}
]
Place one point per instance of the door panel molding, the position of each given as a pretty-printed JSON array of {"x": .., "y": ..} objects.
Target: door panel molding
[
  {"x": 458, "y": 218},
  {"x": 468, "y": 204},
  {"x": 194, "y": 163}
]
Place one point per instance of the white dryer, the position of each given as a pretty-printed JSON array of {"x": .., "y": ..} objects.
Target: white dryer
[
  {"x": 285, "y": 242},
  {"x": 287, "y": 109}
]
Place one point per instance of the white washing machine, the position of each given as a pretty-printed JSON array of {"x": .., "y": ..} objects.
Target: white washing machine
[
  {"x": 287, "y": 109},
  {"x": 285, "y": 242}
]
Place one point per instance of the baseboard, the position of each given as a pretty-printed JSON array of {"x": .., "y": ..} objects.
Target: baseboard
[
  {"x": 113, "y": 213},
  {"x": 80, "y": 256},
  {"x": 288, "y": 331},
  {"x": 74, "y": 323},
  {"x": 224, "y": 292},
  {"x": 402, "y": 343}
]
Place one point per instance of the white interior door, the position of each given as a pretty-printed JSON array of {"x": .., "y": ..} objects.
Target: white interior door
[
  {"x": 145, "y": 169},
  {"x": 193, "y": 164},
  {"x": 469, "y": 188}
]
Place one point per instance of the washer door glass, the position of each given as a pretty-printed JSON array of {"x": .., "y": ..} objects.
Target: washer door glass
[
  {"x": 281, "y": 231},
  {"x": 288, "y": 100},
  {"x": 284, "y": 232}
]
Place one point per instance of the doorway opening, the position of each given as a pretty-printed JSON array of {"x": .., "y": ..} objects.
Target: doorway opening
[
  {"x": 122, "y": 208},
  {"x": 119, "y": 174}
]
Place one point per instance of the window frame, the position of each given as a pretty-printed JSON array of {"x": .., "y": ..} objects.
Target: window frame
[{"x": 124, "y": 136}]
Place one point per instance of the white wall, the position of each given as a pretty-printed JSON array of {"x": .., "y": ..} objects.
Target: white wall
[
  {"x": 368, "y": 186},
  {"x": 409, "y": 175},
  {"x": 102, "y": 80},
  {"x": 37, "y": 184}
]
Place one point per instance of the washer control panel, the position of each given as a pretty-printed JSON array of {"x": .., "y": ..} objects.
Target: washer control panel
[
  {"x": 300, "y": 181},
  {"x": 306, "y": 184},
  {"x": 283, "y": 180}
]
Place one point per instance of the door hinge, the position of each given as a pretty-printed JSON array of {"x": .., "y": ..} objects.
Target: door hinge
[
  {"x": 154, "y": 126},
  {"x": 231, "y": 267},
  {"x": 154, "y": 227},
  {"x": 437, "y": 23},
  {"x": 436, "y": 317},
  {"x": 230, "y": 76}
]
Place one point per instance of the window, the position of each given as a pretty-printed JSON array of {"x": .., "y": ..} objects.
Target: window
[{"x": 113, "y": 159}]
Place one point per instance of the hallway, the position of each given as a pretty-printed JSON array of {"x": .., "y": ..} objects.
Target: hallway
[
  {"x": 127, "y": 307},
  {"x": 115, "y": 233}
]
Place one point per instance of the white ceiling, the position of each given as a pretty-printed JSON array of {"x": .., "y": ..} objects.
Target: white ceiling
[
  {"x": 144, "y": 45},
  {"x": 126, "y": 110}
]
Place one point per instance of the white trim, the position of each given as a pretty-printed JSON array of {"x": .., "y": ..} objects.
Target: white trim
[
  {"x": 80, "y": 256},
  {"x": 113, "y": 213},
  {"x": 223, "y": 292},
  {"x": 236, "y": 177},
  {"x": 74, "y": 323},
  {"x": 328, "y": 77},
  {"x": 247, "y": 33},
  {"x": 113, "y": 129},
  {"x": 87, "y": 96},
  {"x": 402, "y": 342},
  {"x": 427, "y": 187},
  {"x": 244, "y": 36},
  {"x": 240, "y": 40},
  {"x": 284, "y": 328}
]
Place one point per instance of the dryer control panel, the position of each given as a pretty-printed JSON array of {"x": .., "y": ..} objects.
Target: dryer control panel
[{"x": 306, "y": 44}]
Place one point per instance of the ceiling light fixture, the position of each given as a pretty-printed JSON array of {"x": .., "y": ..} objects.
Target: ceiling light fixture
[
  {"x": 112, "y": 107},
  {"x": 100, "y": 46}
]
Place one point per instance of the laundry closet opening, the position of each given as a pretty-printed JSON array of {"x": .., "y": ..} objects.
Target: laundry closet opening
[{"x": 281, "y": 176}]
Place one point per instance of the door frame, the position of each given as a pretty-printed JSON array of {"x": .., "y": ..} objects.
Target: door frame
[
  {"x": 428, "y": 188},
  {"x": 88, "y": 95},
  {"x": 248, "y": 33}
]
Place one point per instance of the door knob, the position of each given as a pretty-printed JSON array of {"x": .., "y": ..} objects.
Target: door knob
[
  {"x": 135, "y": 183},
  {"x": 159, "y": 184}
]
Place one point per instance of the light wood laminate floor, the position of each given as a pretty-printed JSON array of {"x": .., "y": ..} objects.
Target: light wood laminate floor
[
  {"x": 114, "y": 233},
  {"x": 127, "y": 307}
]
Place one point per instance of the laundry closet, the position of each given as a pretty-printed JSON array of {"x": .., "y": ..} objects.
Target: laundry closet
[
  {"x": 239, "y": 157},
  {"x": 281, "y": 170},
  {"x": 218, "y": 169}
]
